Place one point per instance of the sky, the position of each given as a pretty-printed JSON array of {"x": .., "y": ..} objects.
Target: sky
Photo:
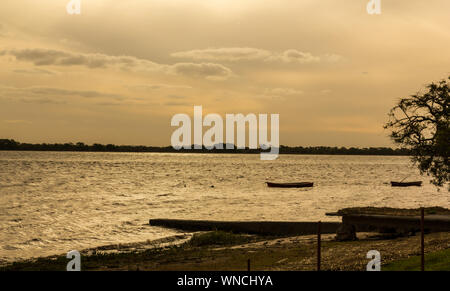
[{"x": 120, "y": 70}]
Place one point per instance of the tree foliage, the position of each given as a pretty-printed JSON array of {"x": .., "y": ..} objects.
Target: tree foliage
[{"x": 421, "y": 124}]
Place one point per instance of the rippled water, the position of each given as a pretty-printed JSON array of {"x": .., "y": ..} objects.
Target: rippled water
[{"x": 53, "y": 202}]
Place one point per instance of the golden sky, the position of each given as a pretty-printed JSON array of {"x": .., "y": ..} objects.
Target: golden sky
[{"x": 118, "y": 72}]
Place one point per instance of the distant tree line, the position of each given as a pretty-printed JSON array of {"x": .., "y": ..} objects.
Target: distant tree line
[
  {"x": 12, "y": 145},
  {"x": 322, "y": 150}
]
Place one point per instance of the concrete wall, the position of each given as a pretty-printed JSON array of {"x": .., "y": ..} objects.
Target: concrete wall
[{"x": 252, "y": 227}]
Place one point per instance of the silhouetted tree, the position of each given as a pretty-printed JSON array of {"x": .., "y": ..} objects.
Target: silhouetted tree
[
  {"x": 421, "y": 123},
  {"x": 8, "y": 144}
]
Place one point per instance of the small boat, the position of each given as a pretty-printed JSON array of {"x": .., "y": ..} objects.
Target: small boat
[
  {"x": 406, "y": 184},
  {"x": 290, "y": 185}
]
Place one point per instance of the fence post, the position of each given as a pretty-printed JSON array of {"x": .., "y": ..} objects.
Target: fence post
[
  {"x": 422, "y": 239},
  {"x": 318, "y": 244}
]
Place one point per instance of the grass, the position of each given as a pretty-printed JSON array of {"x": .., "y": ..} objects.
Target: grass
[
  {"x": 437, "y": 261},
  {"x": 220, "y": 238}
]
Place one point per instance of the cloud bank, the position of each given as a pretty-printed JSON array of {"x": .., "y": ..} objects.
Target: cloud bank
[
  {"x": 234, "y": 54},
  {"x": 49, "y": 57}
]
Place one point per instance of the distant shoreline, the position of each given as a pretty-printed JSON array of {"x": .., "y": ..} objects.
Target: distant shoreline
[{"x": 12, "y": 145}]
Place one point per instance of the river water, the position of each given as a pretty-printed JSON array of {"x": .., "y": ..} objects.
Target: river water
[{"x": 53, "y": 202}]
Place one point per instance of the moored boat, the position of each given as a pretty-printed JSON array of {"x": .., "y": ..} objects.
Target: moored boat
[
  {"x": 290, "y": 185},
  {"x": 406, "y": 184}
]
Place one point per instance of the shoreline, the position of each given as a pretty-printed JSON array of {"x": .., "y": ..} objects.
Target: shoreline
[
  {"x": 124, "y": 247},
  {"x": 187, "y": 230},
  {"x": 202, "y": 251}
]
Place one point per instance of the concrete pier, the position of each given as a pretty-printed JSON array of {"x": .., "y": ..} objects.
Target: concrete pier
[
  {"x": 433, "y": 223},
  {"x": 251, "y": 227},
  {"x": 351, "y": 224}
]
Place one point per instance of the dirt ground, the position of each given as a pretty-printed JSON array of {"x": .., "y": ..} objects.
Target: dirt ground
[
  {"x": 292, "y": 253},
  {"x": 288, "y": 253}
]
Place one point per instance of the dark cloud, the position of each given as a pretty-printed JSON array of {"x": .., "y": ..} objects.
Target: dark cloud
[
  {"x": 48, "y": 57},
  {"x": 37, "y": 71},
  {"x": 42, "y": 101},
  {"x": 64, "y": 92},
  {"x": 149, "y": 87},
  {"x": 292, "y": 55},
  {"x": 45, "y": 57},
  {"x": 51, "y": 91}
]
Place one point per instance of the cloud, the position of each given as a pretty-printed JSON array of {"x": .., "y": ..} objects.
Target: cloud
[
  {"x": 37, "y": 71},
  {"x": 51, "y": 91},
  {"x": 224, "y": 54},
  {"x": 333, "y": 58},
  {"x": 233, "y": 54},
  {"x": 279, "y": 94},
  {"x": 42, "y": 100},
  {"x": 209, "y": 70},
  {"x": 64, "y": 92},
  {"x": 283, "y": 91},
  {"x": 174, "y": 103},
  {"x": 48, "y": 57},
  {"x": 295, "y": 56},
  {"x": 177, "y": 100},
  {"x": 109, "y": 104},
  {"x": 147, "y": 87}
]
